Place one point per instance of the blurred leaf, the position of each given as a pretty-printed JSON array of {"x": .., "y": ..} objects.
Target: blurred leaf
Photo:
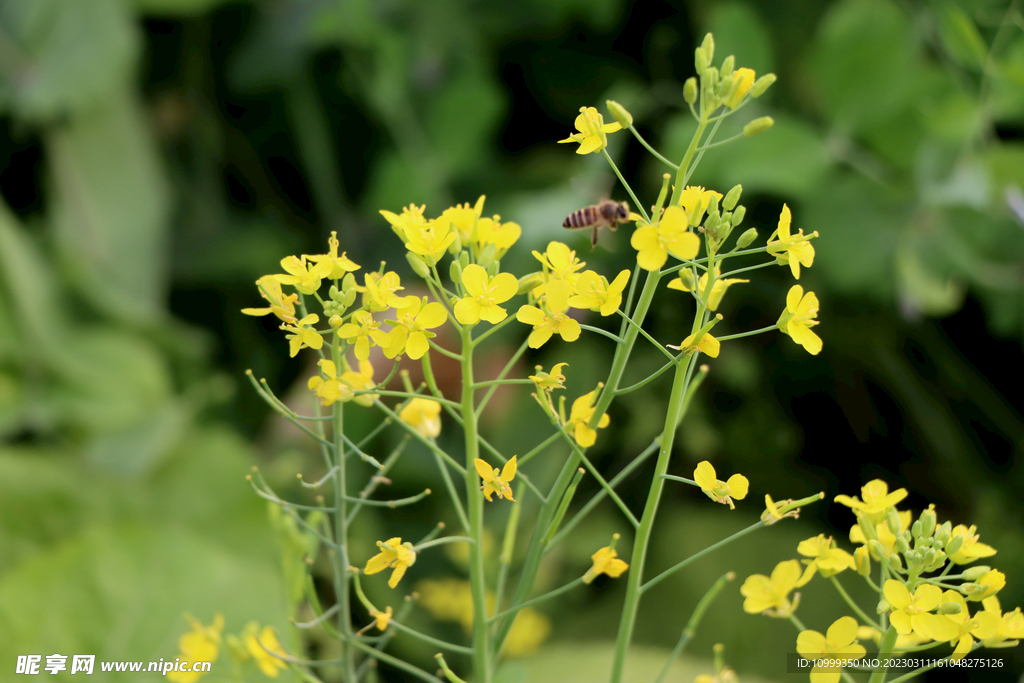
[
  {"x": 186, "y": 8},
  {"x": 110, "y": 209},
  {"x": 64, "y": 55},
  {"x": 1006, "y": 164},
  {"x": 461, "y": 121},
  {"x": 865, "y": 64},
  {"x": 925, "y": 291},
  {"x": 740, "y": 31},
  {"x": 140, "y": 446},
  {"x": 961, "y": 37}
]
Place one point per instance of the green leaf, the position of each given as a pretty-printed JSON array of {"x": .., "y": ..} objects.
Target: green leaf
[
  {"x": 110, "y": 209},
  {"x": 64, "y": 55},
  {"x": 176, "y": 8},
  {"x": 961, "y": 37},
  {"x": 741, "y": 32},
  {"x": 462, "y": 119}
]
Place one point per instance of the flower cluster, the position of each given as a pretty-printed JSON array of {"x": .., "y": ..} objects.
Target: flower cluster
[
  {"x": 253, "y": 644},
  {"x": 926, "y": 596}
]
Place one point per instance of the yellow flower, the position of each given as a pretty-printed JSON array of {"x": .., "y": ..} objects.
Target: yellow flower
[
  {"x": 558, "y": 262},
  {"x": 985, "y": 587},
  {"x": 970, "y": 550},
  {"x": 528, "y": 631},
  {"x": 332, "y": 389},
  {"x": 339, "y": 264},
  {"x": 412, "y": 217},
  {"x": 424, "y": 416},
  {"x": 393, "y": 554},
  {"x": 982, "y": 625},
  {"x": 718, "y": 289},
  {"x": 303, "y": 335},
  {"x": 361, "y": 381},
  {"x": 773, "y": 511},
  {"x": 484, "y": 295},
  {"x": 382, "y": 618},
  {"x": 495, "y": 482},
  {"x": 882, "y": 533},
  {"x": 502, "y": 236},
  {"x": 260, "y": 645},
  {"x": 594, "y": 292},
  {"x": 655, "y": 242},
  {"x": 553, "y": 319},
  {"x": 606, "y": 561},
  {"x": 840, "y": 639},
  {"x": 593, "y": 131},
  {"x": 1010, "y": 625},
  {"x": 770, "y": 595},
  {"x": 364, "y": 329},
  {"x": 912, "y": 612},
  {"x": 909, "y": 640},
  {"x": 877, "y": 500},
  {"x": 280, "y": 305},
  {"x": 579, "y": 420},
  {"x": 414, "y": 321},
  {"x": 717, "y": 490},
  {"x": 796, "y": 250},
  {"x": 742, "y": 80},
  {"x": 201, "y": 644},
  {"x": 827, "y": 558},
  {"x": 430, "y": 239},
  {"x": 695, "y": 200},
  {"x": 379, "y": 292},
  {"x": 548, "y": 381},
  {"x": 300, "y": 276},
  {"x": 464, "y": 218},
  {"x": 799, "y": 317},
  {"x": 707, "y": 345}
]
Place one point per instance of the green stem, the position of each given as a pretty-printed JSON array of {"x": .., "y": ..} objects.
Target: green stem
[
  {"x": 885, "y": 648},
  {"x": 658, "y": 345},
  {"x": 853, "y": 605},
  {"x": 639, "y": 206},
  {"x": 696, "y": 556},
  {"x": 682, "y": 170},
  {"x": 694, "y": 622},
  {"x": 751, "y": 333},
  {"x": 643, "y": 532},
  {"x": 478, "y": 587},
  {"x": 650, "y": 149},
  {"x": 540, "y": 598},
  {"x": 341, "y": 573},
  {"x": 539, "y": 448}
]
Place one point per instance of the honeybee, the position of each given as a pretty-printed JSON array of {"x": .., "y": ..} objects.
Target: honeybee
[{"x": 605, "y": 214}]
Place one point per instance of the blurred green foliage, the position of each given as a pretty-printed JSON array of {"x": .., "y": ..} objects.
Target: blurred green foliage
[{"x": 159, "y": 155}]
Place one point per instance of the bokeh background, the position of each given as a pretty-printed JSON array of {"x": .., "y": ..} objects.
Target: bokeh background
[{"x": 157, "y": 156}]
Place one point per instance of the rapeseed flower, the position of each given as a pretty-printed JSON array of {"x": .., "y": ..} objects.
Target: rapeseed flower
[
  {"x": 970, "y": 549},
  {"x": 558, "y": 262},
  {"x": 303, "y": 335},
  {"x": 548, "y": 381},
  {"x": 331, "y": 389},
  {"x": 882, "y": 533},
  {"x": 742, "y": 80},
  {"x": 280, "y": 305},
  {"x": 361, "y": 330},
  {"x": 262, "y": 644},
  {"x": 876, "y": 500},
  {"x": 1010, "y": 626},
  {"x": 985, "y": 587},
  {"x": 393, "y": 554},
  {"x": 415, "y": 320},
  {"x": 695, "y": 201},
  {"x": 717, "y": 490},
  {"x": 579, "y": 420},
  {"x": 430, "y": 239},
  {"x": 379, "y": 292},
  {"x": 839, "y": 639},
  {"x": 655, "y": 242},
  {"x": 707, "y": 345},
  {"x": 424, "y": 416},
  {"x": 339, "y": 265},
  {"x": 799, "y": 317},
  {"x": 595, "y": 292},
  {"x": 593, "y": 131},
  {"x": 361, "y": 381},
  {"x": 484, "y": 293},
  {"x": 382, "y": 618},
  {"x": 606, "y": 561},
  {"x": 300, "y": 276},
  {"x": 494, "y": 481},
  {"x": 201, "y": 644},
  {"x": 551, "y": 318},
  {"x": 770, "y": 595},
  {"x": 826, "y": 558},
  {"x": 796, "y": 250},
  {"x": 912, "y": 611},
  {"x": 713, "y": 299},
  {"x": 984, "y": 624}
]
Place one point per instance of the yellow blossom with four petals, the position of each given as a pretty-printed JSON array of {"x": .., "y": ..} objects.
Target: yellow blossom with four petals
[
  {"x": 655, "y": 242},
  {"x": 594, "y": 292},
  {"x": 770, "y": 595},
  {"x": 551, "y": 317},
  {"x": 913, "y": 611},
  {"x": 263, "y": 644},
  {"x": 795, "y": 250},
  {"x": 301, "y": 276},
  {"x": 424, "y": 416},
  {"x": 393, "y": 555},
  {"x": 826, "y": 558},
  {"x": 839, "y": 642},
  {"x": 303, "y": 335},
  {"x": 201, "y": 644},
  {"x": 717, "y": 490},
  {"x": 799, "y": 317},
  {"x": 415, "y": 320},
  {"x": 280, "y": 305},
  {"x": 593, "y": 131},
  {"x": 339, "y": 265},
  {"x": 876, "y": 500},
  {"x": 579, "y": 420},
  {"x": 606, "y": 561},
  {"x": 484, "y": 293},
  {"x": 496, "y": 482},
  {"x": 360, "y": 331}
]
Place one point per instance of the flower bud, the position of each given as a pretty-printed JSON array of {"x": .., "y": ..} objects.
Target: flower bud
[
  {"x": 492, "y": 269},
  {"x": 687, "y": 277},
  {"x": 334, "y": 321},
  {"x": 975, "y": 573},
  {"x": 954, "y": 545},
  {"x": 747, "y": 238},
  {"x": 892, "y": 520},
  {"x": 902, "y": 544},
  {"x": 758, "y": 126},
  {"x": 895, "y": 561},
  {"x": 619, "y": 113},
  {"x": 929, "y": 557},
  {"x": 350, "y": 297},
  {"x": 334, "y": 294},
  {"x": 455, "y": 272},
  {"x": 862, "y": 560},
  {"x": 348, "y": 282},
  {"x": 866, "y": 527},
  {"x": 883, "y": 607},
  {"x": 700, "y": 60},
  {"x": 731, "y": 197},
  {"x": 928, "y": 521},
  {"x": 710, "y": 78},
  {"x": 728, "y": 64},
  {"x": 690, "y": 90},
  {"x": 417, "y": 265},
  {"x": 738, "y": 215},
  {"x": 762, "y": 84},
  {"x": 486, "y": 257},
  {"x": 528, "y": 282},
  {"x": 915, "y": 529},
  {"x": 709, "y": 47},
  {"x": 877, "y": 549},
  {"x": 456, "y": 246},
  {"x": 949, "y": 608}
]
